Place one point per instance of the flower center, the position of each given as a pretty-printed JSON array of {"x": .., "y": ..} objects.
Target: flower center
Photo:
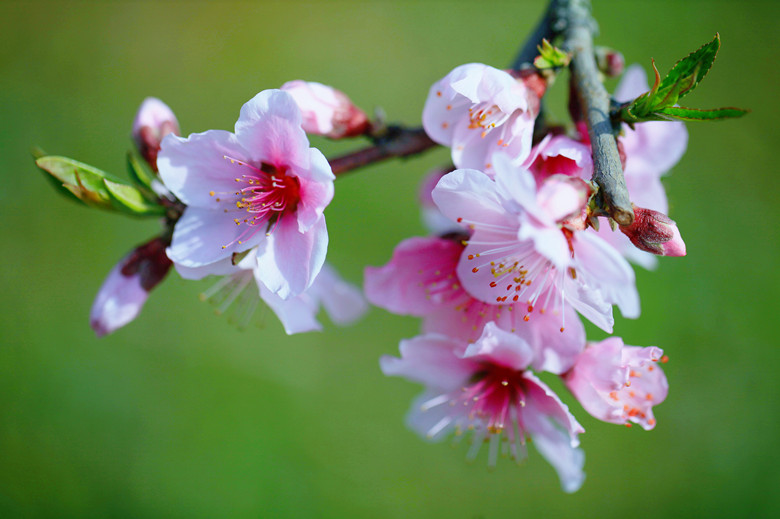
[
  {"x": 267, "y": 195},
  {"x": 486, "y": 116},
  {"x": 493, "y": 395}
]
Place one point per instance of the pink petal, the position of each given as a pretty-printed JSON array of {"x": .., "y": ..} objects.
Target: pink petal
[
  {"x": 194, "y": 167},
  {"x": 431, "y": 360},
  {"x": 291, "y": 259},
  {"x": 502, "y": 348},
  {"x": 632, "y": 85},
  {"x": 118, "y": 302},
  {"x": 471, "y": 196},
  {"x": 204, "y": 237},
  {"x": 269, "y": 127}
]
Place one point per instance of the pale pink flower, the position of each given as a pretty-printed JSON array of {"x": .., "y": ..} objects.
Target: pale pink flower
[
  {"x": 619, "y": 384},
  {"x": 485, "y": 388},
  {"x": 127, "y": 286},
  {"x": 327, "y": 111},
  {"x": 241, "y": 288},
  {"x": 153, "y": 121},
  {"x": 527, "y": 244},
  {"x": 478, "y": 110},
  {"x": 261, "y": 187},
  {"x": 421, "y": 279}
]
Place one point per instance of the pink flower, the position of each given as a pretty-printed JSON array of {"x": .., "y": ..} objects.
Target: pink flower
[
  {"x": 528, "y": 244},
  {"x": 619, "y": 384},
  {"x": 485, "y": 388},
  {"x": 261, "y": 187},
  {"x": 421, "y": 279},
  {"x": 327, "y": 111},
  {"x": 153, "y": 121},
  {"x": 241, "y": 288},
  {"x": 127, "y": 286},
  {"x": 478, "y": 110}
]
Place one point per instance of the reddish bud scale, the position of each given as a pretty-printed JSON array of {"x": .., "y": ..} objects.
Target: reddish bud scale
[{"x": 149, "y": 262}]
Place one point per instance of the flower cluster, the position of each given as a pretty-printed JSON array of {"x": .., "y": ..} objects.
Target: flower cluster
[
  {"x": 522, "y": 241},
  {"x": 516, "y": 254}
]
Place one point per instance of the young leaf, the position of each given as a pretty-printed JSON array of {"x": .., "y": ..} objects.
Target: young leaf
[
  {"x": 689, "y": 71},
  {"x": 694, "y": 114},
  {"x": 128, "y": 199},
  {"x": 550, "y": 56},
  {"x": 82, "y": 180},
  {"x": 141, "y": 176}
]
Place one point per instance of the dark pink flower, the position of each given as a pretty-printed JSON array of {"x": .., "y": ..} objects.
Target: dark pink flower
[{"x": 485, "y": 388}]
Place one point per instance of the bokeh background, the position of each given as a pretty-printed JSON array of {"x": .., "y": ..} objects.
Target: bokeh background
[{"x": 182, "y": 415}]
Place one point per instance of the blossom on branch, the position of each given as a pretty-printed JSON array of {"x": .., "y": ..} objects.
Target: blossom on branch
[
  {"x": 477, "y": 111},
  {"x": 617, "y": 383},
  {"x": 262, "y": 186},
  {"x": 485, "y": 389},
  {"x": 528, "y": 245}
]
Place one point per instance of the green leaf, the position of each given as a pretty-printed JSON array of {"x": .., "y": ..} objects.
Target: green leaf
[
  {"x": 689, "y": 71},
  {"x": 694, "y": 114},
  {"x": 95, "y": 187},
  {"x": 141, "y": 175},
  {"x": 129, "y": 199},
  {"x": 83, "y": 181}
]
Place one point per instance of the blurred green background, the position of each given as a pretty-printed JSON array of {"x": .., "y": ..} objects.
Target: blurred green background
[{"x": 181, "y": 415}]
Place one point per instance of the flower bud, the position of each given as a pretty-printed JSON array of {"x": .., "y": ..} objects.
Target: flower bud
[
  {"x": 127, "y": 286},
  {"x": 610, "y": 61},
  {"x": 654, "y": 232},
  {"x": 327, "y": 111},
  {"x": 153, "y": 121}
]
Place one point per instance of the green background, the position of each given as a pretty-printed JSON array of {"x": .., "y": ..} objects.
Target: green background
[{"x": 181, "y": 415}]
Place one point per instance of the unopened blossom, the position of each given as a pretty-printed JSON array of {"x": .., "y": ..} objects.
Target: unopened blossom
[
  {"x": 654, "y": 232},
  {"x": 528, "y": 245},
  {"x": 127, "y": 286},
  {"x": 421, "y": 279},
  {"x": 152, "y": 123},
  {"x": 477, "y": 111},
  {"x": 240, "y": 289},
  {"x": 327, "y": 111},
  {"x": 619, "y": 384},
  {"x": 262, "y": 186},
  {"x": 485, "y": 389}
]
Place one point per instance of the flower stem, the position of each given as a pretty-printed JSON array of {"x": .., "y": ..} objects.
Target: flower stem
[
  {"x": 594, "y": 100},
  {"x": 397, "y": 142}
]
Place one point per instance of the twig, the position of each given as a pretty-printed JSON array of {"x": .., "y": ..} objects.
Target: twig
[
  {"x": 594, "y": 100},
  {"x": 397, "y": 142}
]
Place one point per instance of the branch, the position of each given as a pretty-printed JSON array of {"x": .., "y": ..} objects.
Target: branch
[
  {"x": 594, "y": 100},
  {"x": 397, "y": 142}
]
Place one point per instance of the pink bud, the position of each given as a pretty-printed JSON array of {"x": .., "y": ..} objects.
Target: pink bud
[
  {"x": 327, "y": 111},
  {"x": 127, "y": 286},
  {"x": 153, "y": 121},
  {"x": 654, "y": 232},
  {"x": 610, "y": 61}
]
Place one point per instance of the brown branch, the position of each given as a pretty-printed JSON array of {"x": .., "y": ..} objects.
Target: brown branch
[
  {"x": 594, "y": 100},
  {"x": 398, "y": 142}
]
